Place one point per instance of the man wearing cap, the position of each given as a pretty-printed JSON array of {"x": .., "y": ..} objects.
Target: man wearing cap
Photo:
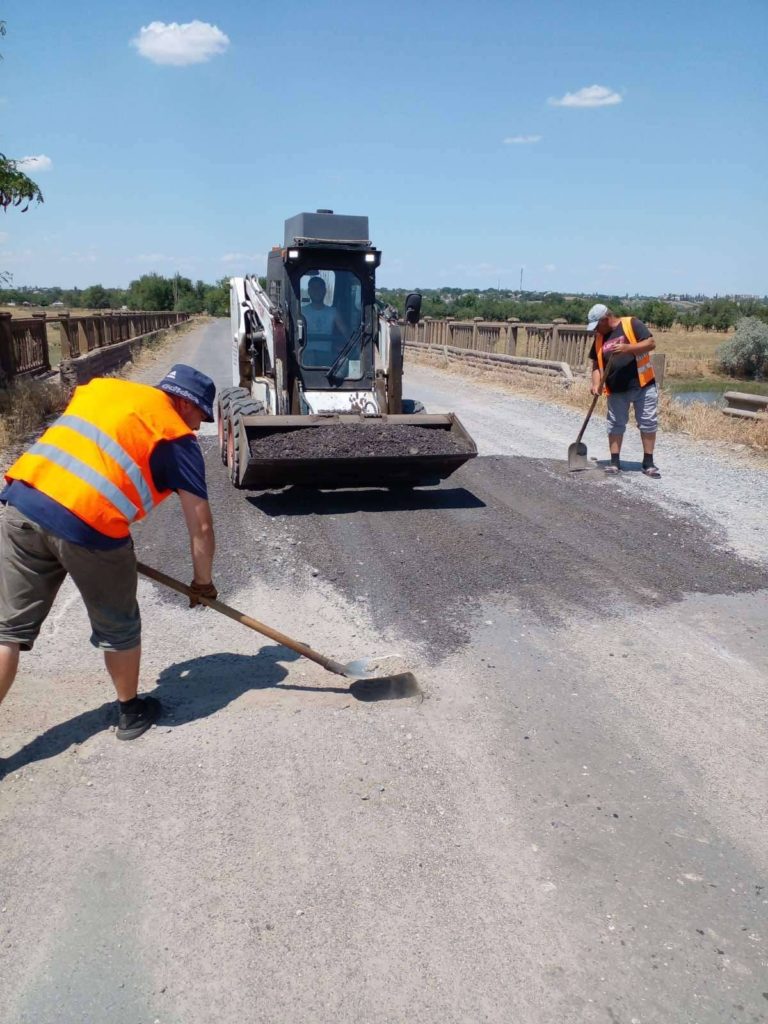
[
  {"x": 119, "y": 449},
  {"x": 624, "y": 346}
]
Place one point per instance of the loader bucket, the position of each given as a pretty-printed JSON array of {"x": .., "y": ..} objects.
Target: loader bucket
[{"x": 350, "y": 450}]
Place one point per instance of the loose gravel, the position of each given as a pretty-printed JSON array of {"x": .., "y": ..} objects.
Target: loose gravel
[{"x": 363, "y": 440}]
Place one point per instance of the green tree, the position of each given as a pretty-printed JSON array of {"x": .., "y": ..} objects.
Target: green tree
[
  {"x": 16, "y": 188},
  {"x": 189, "y": 303},
  {"x": 217, "y": 298},
  {"x": 746, "y": 353},
  {"x": 96, "y": 297},
  {"x": 663, "y": 315},
  {"x": 151, "y": 292}
]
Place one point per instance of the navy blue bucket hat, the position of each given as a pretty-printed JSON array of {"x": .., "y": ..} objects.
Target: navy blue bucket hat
[{"x": 187, "y": 382}]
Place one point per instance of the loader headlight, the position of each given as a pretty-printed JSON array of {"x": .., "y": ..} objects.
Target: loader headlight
[
  {"x": 293, "y": 254},
  {"x": 370, "y": 257}
]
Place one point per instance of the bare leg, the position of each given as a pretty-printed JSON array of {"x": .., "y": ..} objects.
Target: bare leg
[
  {"x": 614, "y": 443},
  {"x": 9, "y": 664},
  {"x": 123, "y": 667},
  {"x": 649, "y": 442}
]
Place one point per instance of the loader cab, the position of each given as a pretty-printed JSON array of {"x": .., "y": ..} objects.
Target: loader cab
[
  {"x": 331, "y": 324},
  {"x": 328, "y": 296}
]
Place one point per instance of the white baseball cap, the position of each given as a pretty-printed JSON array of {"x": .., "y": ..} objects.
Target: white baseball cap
[{"x": 595, "y": 315}]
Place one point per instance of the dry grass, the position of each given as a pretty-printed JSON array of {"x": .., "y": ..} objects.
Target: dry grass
[
  {"x": 690, "y": 353},
  {"x": 698, "y": 420},
  {"x": 26, "y": 407}
]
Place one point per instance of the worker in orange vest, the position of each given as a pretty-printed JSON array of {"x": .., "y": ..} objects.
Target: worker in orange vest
[
  {"x": 118, "y": 450},
  {"x": 624, "y": 346}
]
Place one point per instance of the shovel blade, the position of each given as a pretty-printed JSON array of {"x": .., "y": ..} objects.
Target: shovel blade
[
  {"x": 395, "y": 687},
  {"x": 577, "y": 457}
]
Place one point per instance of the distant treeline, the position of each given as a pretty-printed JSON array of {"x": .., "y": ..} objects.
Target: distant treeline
[
  {"x": 149, "y": 292},
  {"x": 537, "y": 307},
  {"x": 154, "y": 292}
]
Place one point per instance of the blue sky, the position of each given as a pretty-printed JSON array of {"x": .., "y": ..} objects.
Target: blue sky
[{"x": 653, "y": 182}]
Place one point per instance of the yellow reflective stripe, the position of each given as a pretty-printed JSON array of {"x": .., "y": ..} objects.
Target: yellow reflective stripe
[
  {"x": 109, "y": 491},
  {"x": 114, "y": 450}
]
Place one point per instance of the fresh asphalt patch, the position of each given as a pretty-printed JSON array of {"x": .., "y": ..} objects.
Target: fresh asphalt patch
[{"x": 554, "y": 543}]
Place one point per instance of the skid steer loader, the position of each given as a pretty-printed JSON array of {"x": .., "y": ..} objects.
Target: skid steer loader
[{"x": 317, "y": 368}]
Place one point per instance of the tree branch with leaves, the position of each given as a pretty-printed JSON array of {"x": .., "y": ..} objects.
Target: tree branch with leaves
[{"x": 16, "y": 188}]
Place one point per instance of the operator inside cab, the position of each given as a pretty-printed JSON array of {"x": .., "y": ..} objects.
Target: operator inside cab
[
  {"x": 321, "y": 319},
  {"x": 331, "y": 328}
]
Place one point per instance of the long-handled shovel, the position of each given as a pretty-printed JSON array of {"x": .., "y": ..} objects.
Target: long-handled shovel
[
  {"x": 364, "y": 687},
  {"x": 577, "y": 452}
]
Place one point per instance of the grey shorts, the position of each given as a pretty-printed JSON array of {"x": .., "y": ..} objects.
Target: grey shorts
[
  {"x": 34, "y": 564},
  {"x": 645, "y": 401}
]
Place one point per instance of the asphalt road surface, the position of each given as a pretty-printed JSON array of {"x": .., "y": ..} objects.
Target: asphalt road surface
[{"x": 570, "y": 826}]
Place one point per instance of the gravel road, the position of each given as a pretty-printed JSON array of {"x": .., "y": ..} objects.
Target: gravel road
[{"x": 569, "y": 825}]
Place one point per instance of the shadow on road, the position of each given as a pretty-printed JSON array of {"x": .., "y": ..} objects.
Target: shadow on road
[
  {"x": 201, "y": 686},
  {"x": 631, "y": 467},
  {"x": 306, "y": 501},
  {"x": 189, "y": 690}
]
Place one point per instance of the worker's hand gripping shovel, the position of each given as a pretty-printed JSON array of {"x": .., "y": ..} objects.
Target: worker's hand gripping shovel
[
  {"x": 365, "y": 686},
  {"x": 577, "y": 452}
]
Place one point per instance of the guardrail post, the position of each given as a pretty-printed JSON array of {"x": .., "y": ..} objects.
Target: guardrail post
[
  {"x": 475, "y": 321},
  {"x": 43, "y": 320},
  {"x": 98, "y": 327},
  {"x": 7, "y": 365},
  {"x": 64, "y": 327},
  {"x": 554, "y": 352},
  {"x": 512, "y": 327},
  {"x": 659, "y": 364}
]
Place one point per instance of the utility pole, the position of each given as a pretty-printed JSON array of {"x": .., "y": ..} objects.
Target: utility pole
[{"x": 521, "y": 279}]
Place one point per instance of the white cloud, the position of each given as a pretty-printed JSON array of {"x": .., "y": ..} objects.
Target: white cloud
[
  {"x": 34, "y": 163},
  {"x": 550, "y": 267},
  {"x": 191, "y": 43},
  {"x": 589, "y": 96},
  {"x": 607, "y": 267},
  {"x": 521, "y": 140}
]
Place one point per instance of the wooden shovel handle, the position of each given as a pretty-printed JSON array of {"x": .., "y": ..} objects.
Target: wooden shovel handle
[
  {"x": 603, "y": 375},
  {"x": 224, "y": 609}
]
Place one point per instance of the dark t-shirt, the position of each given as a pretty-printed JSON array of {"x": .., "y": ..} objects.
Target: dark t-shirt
[
  {"x": 174, "y": 465},
  {"x": 623, "y": 373}
]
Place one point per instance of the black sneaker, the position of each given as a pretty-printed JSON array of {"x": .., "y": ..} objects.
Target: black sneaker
[{"x": 131, "y": 724}]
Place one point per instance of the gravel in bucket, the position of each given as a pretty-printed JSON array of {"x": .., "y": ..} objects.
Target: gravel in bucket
[{"x": 338, "y": 441}]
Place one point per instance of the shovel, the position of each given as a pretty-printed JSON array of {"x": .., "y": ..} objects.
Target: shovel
[
  {"x": 365, "y": 686},
  {"x": 577, "y": 452}
]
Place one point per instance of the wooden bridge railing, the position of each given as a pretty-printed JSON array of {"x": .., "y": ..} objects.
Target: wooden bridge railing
[
  {"x": 24, "y": 347},
  {"x": 566, "y": 343}
]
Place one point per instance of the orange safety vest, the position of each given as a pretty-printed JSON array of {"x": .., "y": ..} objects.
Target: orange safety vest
[
  {"x": 644, "y": 366},
  {"x": 94, "y": 460}
]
